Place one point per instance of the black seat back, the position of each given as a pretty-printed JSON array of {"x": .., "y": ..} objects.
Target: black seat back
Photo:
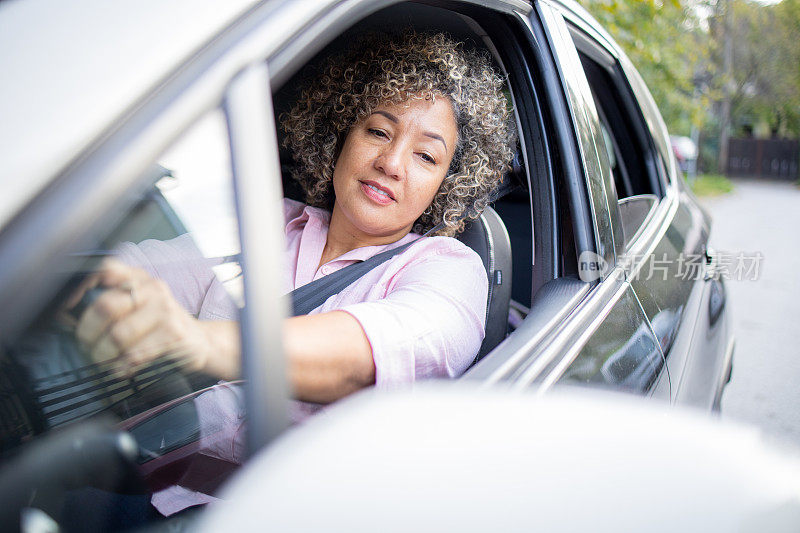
[{"x": 487, "y": 235}]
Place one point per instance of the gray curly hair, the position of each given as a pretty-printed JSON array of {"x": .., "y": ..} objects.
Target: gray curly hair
[{"x": 390, "y": 71}]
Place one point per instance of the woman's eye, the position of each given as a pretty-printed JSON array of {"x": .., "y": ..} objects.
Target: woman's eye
[
  {"x": 427, "y": 158},
  {"x": 376, "y": 132}
]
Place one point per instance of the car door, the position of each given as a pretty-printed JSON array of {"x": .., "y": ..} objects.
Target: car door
[
  {"x": 588, "y": 329},
  {"x": 618, "y": 347},
  {"x": 665, "y": 232}
]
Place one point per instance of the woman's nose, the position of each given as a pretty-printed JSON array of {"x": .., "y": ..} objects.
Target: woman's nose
[{"x": 391, "y": 161}]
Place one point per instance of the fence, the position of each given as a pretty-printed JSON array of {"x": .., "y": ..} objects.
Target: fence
[{"x": 763, "y": 158}]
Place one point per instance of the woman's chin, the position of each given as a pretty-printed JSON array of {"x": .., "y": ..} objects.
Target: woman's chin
[
  {"x": 381, "y": 232},
  {"x": 385, "y": 233},
  {"x": 373, "y": 223}
]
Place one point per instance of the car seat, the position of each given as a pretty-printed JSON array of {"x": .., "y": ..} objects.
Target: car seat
[{"x": 487, "y": 235}]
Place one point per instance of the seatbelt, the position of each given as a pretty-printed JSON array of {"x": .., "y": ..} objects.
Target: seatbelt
[{"x": 311, "y": 295}]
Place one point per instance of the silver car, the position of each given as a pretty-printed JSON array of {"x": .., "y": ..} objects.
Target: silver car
[{"x": 141, "y": 120}]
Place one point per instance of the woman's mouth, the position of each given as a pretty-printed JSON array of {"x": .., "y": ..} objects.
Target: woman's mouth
[{"x": 376, "y": 193}]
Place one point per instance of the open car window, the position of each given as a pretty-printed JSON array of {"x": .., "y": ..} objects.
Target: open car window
[{"x": 486, "y": 31}]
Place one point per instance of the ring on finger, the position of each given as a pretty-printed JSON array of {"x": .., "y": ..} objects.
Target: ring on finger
[{"x": 131, "y": 289}]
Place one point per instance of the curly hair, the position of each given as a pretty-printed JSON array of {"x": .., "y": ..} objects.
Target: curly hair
[{"x": 390, "y": 71}]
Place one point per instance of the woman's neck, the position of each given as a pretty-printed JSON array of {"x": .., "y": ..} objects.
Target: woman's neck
[{"x": 344, "y": 237}]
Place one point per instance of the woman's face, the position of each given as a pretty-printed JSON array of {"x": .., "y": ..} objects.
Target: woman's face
[{"x": 391, "y": 166}]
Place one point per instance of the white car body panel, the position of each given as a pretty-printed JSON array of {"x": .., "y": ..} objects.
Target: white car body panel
[{"x": 451, "y": 458}]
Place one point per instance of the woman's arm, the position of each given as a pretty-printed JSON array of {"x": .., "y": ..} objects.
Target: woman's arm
[
  {"x": 329, "y": 356},
  {"x": 137, "y": 319}
]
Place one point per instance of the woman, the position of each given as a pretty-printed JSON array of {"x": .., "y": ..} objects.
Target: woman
[{"x": 394, "y": 137}]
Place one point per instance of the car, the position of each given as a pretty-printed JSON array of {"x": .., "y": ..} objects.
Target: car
[{"x": 159, "y": 120}]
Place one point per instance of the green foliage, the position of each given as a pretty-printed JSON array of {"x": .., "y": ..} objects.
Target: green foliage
[
  {"x": 669, "y": 46},
  {"x": 711, "y": 185},
  {"x": 677, "y": 46},
  {"x": 766, "y": 74}
]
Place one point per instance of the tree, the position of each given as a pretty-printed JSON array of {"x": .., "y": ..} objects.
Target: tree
[
  {"x": 678, "y": 46},
  {"x": 766, "y": 73},
  {"x": 669, "y": 44}
]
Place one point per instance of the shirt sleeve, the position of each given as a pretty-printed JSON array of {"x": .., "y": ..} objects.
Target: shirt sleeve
[
  {"x": 177, "y": 262},
  {"x": 431, "y": 323}
]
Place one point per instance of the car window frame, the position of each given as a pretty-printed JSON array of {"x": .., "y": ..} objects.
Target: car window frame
[
  {"x": 492, "y": 15},
  {"x": 596, "y": 170},
  {"x": 653, "y": 176},
  {"x": 665, "y": 168},
  {"x": 611, "y": 64},
  {"x": 257, "y": 182}
]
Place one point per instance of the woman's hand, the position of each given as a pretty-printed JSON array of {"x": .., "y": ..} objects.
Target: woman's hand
[{"x": 137, "y": 319}]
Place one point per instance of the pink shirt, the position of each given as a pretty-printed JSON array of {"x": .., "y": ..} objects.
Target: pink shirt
[{"x": 422, "y": 311}]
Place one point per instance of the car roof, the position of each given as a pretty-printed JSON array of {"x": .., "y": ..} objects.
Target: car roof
[{"x": 71, "y": 69}]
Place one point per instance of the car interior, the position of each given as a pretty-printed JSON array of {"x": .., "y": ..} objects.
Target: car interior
[{"x": 530, "y": 202}]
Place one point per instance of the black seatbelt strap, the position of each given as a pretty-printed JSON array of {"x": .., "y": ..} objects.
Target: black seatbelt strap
[{"x": 311, "y": 295}]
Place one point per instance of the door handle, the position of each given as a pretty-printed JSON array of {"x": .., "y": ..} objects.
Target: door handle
[{"x": 709, "y": 255}]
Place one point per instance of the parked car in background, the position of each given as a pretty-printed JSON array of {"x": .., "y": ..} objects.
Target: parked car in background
[
  {"x": 150, "y": 120},
  {"x": 686, "y": 153}
]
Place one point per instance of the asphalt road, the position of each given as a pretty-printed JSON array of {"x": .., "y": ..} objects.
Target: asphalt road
[{"x": 763, "y": 217}]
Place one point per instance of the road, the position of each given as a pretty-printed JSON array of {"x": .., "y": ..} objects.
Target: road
[{"x": 765, "y": 387}]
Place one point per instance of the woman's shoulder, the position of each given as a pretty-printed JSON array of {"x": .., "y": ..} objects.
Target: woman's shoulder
[
  {"x": 445, "y": 265},
  {"x": 294, "y": 210},
  {"x": 445, "y": 248}
]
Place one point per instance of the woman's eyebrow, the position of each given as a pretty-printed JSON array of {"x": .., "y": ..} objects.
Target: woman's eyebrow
[
  {"x": 396, "y": 120},
  {"x": 435, "y": 136},
  {"x": 387, "y": 115}
]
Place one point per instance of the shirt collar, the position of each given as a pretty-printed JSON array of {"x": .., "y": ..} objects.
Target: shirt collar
[
  {"x": 313, "y": 216},
  {"x": 365, "y": 252}
]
